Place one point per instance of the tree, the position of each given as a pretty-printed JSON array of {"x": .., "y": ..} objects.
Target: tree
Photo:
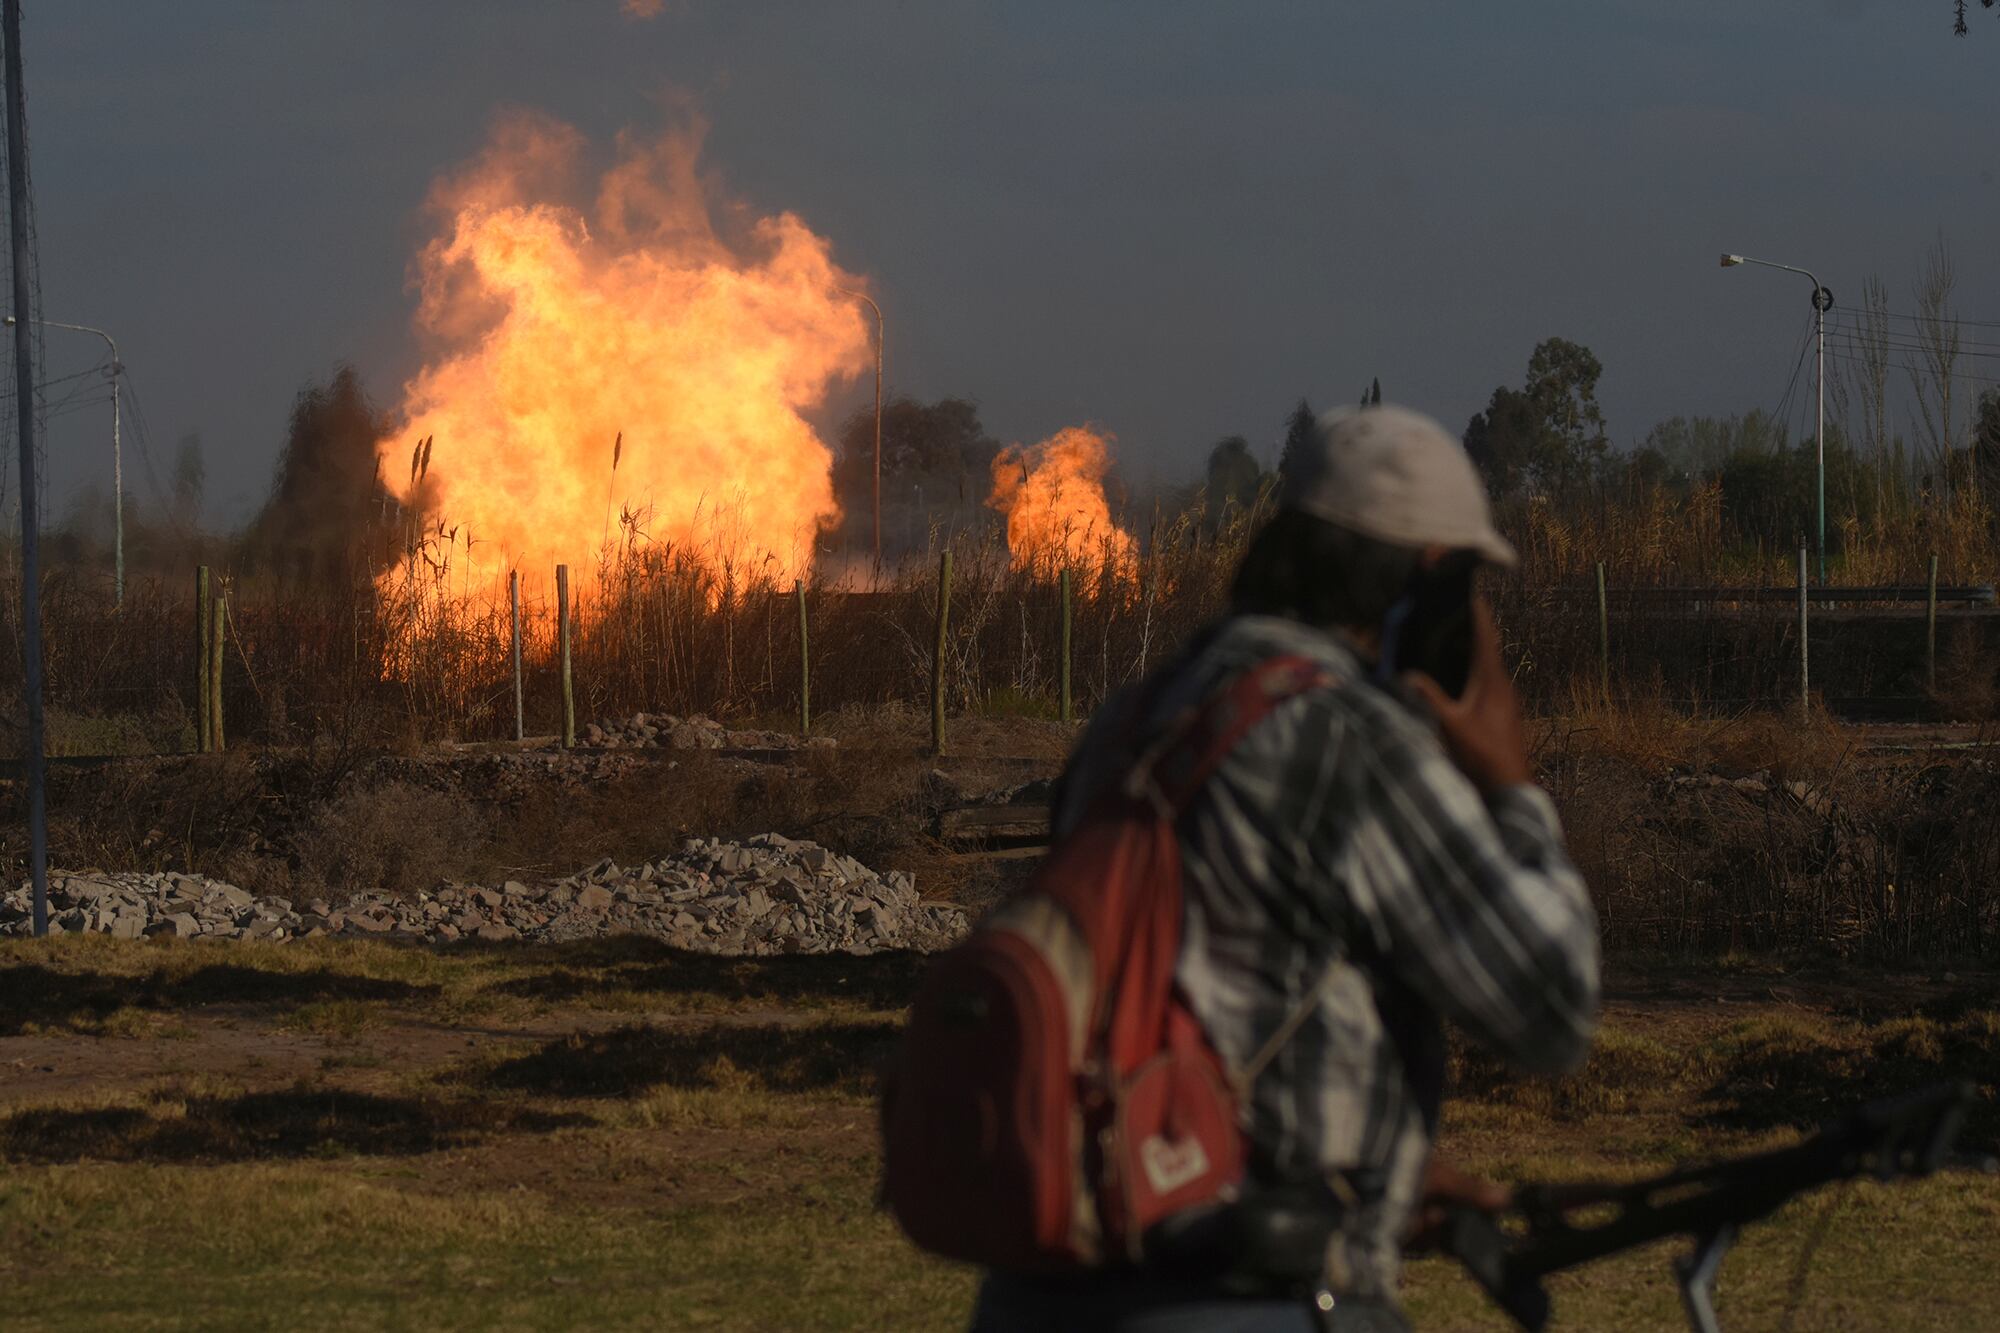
[
  {"x": 1861, "y": 392},
  {"x": 190, "y": 480},
  {"x": 937, "y": 450},
  {"x": 1770, "y": 496},
  {"x": 1373, "y": 398},
  {"x": 1504, "y": 440},
  {"x": 1298, "y": 439},
  {"x": 1933, "y": 377},
  {"x": 1562, "y": 381},
  {"x": 325, "y": 517},
  {"x": 1549, "y": 434},
  {"x": 1634, "y": 474},
  {"x": 1233, "y": 477},
  {"x": 1986, "y": 441},
  {"x": 1959, "y": 27}
]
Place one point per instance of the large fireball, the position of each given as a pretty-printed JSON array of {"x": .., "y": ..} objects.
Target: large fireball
[{"x": 621, "y": 371}]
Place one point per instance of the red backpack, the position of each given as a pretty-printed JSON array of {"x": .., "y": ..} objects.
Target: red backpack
[{"x": 1054, "y": 1097}]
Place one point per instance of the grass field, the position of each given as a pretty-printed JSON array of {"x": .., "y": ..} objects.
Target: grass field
[{"x": 356, "y": 1135}]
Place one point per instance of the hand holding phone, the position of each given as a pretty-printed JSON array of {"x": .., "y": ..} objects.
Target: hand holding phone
[
  {"x": 1481, "y": 727},
  {"x": 1430, "y": 628}
]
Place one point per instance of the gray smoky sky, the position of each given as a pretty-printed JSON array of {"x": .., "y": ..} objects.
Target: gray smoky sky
[{"x": 1172, "y": 219}]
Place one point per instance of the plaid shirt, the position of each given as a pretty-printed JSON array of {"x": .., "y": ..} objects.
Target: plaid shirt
[{"x": 1338, "y": 848}]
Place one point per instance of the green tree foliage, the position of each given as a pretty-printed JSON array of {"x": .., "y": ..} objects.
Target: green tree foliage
[
  {"x": 1644, "y": 468},
  {"x": 1298, "y": 438},
  {"x": 939, "y": 450},
  {"x": 1549, "y": 434},
  {"x": 1769, "y": 483},
  {"x": 1695, "y": 447}
]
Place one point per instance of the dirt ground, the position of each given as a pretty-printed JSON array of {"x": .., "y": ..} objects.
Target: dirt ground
[
  {"x": 611, "y": 1134},
  {"x": 353, "y": 1134}
]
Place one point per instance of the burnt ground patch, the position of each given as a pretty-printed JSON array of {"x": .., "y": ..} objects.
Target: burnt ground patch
[
  {"x": 647, "y": 966},
  {"x": 177, "y": 1125},
  {"x": 1792, "y": 1075},
  {"x": 32, "y": 994},
  {"x": 631, "y": 1060}
]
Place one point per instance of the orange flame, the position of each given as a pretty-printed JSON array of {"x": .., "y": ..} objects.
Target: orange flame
[
  {"x": 627, "y": 363},
  {"x": 1053, "y": 496}
]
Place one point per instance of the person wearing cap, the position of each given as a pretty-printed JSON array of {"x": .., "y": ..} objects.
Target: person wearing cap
[{"x": 1375, "y": 852}]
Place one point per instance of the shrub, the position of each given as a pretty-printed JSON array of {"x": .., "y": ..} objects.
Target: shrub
[{"x": 397, "y": 836}]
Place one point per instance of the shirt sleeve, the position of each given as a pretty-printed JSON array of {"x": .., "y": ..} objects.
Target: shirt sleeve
[{"x": 1476, "y": 906}]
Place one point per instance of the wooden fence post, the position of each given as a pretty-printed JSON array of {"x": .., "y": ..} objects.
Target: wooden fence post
[
  {"x": 1603, "y": 636},
  {"x": 514, "y": 614},
  {"x": 1068, "y": 711},
  {"x": 204, "y": 731},
  {"x": 218, "y": 603},
  {"x": 1805, "y": 693},
  {"x": 1930, "y": 632},
  {"x": 562, "y": 643},
  {"x": 937, "y": 657},
  {"x": 805, "y": 664}
]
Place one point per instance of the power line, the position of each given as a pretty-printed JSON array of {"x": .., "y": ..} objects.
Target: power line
[
  {"x": 1865, "y": 348},
  {"x": 1798, "y": 363},
  {"x": 145, "y": 437},
  {"x": 1904, "y": 365},
  {"x": 7, "y": 394},
  {"x": 1903, "y": 338},
  {"x": 1940, "y": 319}
]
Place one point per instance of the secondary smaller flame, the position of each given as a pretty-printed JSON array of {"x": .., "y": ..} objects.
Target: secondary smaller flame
[{"x": 1057, "y": 516}]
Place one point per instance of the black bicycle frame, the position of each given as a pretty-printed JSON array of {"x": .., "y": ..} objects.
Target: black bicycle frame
[{"x": 1895, "y": 1138}]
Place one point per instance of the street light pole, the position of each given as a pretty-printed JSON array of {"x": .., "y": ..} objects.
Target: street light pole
[
  {"x": 863, "y": 297},
  {"x": 117, "y": 454},
  {"x": 1822, "y": 301}
]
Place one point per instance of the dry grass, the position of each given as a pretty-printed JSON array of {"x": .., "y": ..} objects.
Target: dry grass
[
  {"x": 331, "y": 1145},
  {"x": 398, "y": 837},
  {"x": 1656, "y": 737}
]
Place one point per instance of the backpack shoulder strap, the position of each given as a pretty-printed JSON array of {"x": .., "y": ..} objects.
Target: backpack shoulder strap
[
  {"x": 1294, "y": 1019},
  {"x": 1174, "y": 768}
]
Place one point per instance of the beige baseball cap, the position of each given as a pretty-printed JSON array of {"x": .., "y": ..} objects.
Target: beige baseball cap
[{"x": 1397, "y": 476}]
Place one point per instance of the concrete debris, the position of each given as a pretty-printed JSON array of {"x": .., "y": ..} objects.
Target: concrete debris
[
  {"x": 768, "y": 895},
  {"x": 662, "y": 731}
]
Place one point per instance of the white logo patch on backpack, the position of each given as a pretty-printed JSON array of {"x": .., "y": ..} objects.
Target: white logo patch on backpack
[{"x": 1172, "y": 1165}]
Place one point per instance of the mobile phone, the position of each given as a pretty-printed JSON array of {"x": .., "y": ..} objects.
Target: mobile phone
[{"x": 1430, "y": 629}]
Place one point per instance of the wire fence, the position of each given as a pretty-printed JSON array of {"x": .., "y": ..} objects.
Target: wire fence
[{"x": 389, "y": 662}]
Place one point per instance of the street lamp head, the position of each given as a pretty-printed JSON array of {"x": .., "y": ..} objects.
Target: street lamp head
[
  {"x": 1731, "y": 261},
  {"x": 10, "y": 321}
]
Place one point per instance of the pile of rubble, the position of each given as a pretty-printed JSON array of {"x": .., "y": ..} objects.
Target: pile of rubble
[
  {"x": 764, "y": 896},
  {"x": 663, "y": 731}
]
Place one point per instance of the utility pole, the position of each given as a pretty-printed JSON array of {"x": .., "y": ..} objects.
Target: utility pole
[
  {"x": 117, "y": 454},
  {"x": 24, "y": 400}
]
